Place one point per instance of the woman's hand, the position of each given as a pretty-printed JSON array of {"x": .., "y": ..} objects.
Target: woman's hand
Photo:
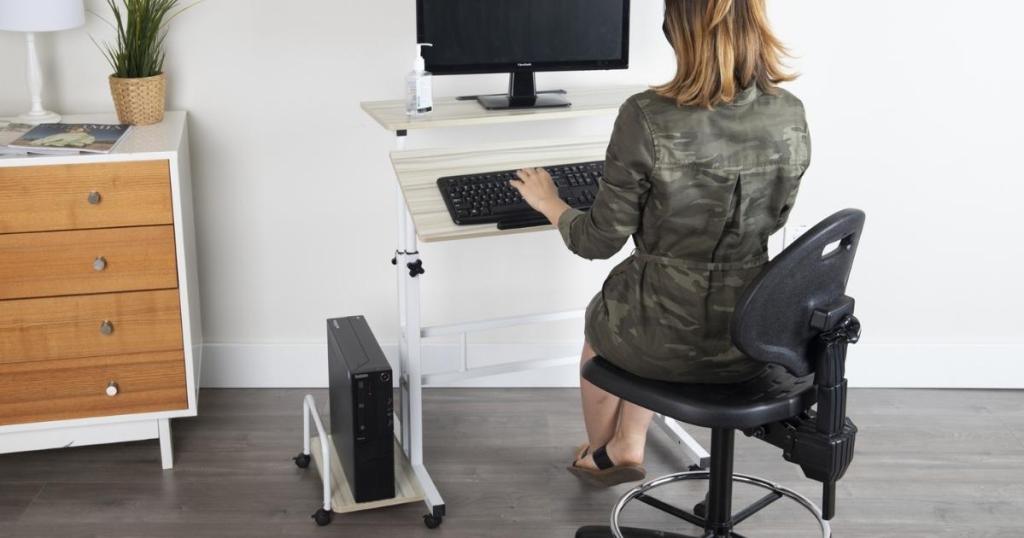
[
  {"x": 538, "y": 190},
  {"x": 535, "y": 185}
]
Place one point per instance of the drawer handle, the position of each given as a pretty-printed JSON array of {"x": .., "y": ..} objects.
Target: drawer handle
[
  {"x": 95, "y": 198},
  {"x": 112, "y": 389},
  {"x": 99, "y": 264},
  {"x": 106, "y": 327}
]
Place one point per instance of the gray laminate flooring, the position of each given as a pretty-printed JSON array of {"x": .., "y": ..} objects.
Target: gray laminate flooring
[{"x": 929, "y": 464}]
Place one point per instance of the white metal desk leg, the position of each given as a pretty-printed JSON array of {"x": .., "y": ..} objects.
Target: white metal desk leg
[
  {"x": 699, "y": 458},
  {"x": 410, "y": 267},
  {"x": 166, "y": 446},
  {"x": 401, "y": 272},
  {"x": 413, "y": 344}
]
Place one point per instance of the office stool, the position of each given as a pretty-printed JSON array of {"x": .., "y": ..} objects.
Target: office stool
[{"x": 795, "y": 317}]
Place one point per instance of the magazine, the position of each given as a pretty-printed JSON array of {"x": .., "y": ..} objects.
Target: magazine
[
  {"x": 9, "y": 132},
  {"x": 70, "y": 138}
]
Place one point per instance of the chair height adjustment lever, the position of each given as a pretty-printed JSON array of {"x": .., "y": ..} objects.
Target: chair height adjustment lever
[{"x": 847, "y": 331}]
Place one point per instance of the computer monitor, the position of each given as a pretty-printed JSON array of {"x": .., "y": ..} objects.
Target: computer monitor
[{"x": 521, "y": 37}]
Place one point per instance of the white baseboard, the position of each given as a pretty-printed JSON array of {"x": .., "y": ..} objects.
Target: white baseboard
[
  {"x": 305, "y": 365},
  {"x": 966, "y": 366},
  {"x": 869, "y": 365}
]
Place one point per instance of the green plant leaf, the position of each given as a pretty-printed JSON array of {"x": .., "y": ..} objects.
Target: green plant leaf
[{"x": 140, "y": 28}]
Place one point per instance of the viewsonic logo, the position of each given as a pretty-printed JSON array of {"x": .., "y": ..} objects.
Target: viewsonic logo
[{"x": 526, "y": 64}]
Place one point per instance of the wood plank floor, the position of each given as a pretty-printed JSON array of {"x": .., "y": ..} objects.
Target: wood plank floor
[{"x": 929, "y": 464}]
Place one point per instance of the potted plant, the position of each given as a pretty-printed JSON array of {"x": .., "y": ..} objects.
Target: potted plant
[{"x": 138, "y": 84}]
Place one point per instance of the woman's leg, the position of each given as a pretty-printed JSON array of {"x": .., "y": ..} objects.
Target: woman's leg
[
  {"x": 620, "y": 425},
  {"x": 627, "y": 444},
  {"x": 600, "y": 409},
  {"x": 630, "y": 439}
]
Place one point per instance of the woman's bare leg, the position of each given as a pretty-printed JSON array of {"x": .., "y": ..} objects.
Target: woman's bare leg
[
  {"x": 626, "y": 447},
  {"x": 630, "y": 439},
  {"x": 620, "y": 425},
  {"x": 600, "y": 408}
]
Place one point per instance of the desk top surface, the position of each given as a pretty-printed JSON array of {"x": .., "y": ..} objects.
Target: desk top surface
[
  {"x": 419, "y": 170},
  {"x": 449, "y": 112}
]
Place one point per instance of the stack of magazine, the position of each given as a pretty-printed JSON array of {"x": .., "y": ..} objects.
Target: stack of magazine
[{"x": 59, "y": 138}]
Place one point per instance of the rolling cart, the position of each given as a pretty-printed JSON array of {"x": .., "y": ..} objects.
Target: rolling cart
[{"x": 337, "y": 494}]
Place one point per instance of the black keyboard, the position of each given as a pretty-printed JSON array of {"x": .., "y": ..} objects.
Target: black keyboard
[{"x": 488, "y": 198}]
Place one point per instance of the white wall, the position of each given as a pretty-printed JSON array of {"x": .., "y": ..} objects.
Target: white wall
[{"x": 915, "y": 117}]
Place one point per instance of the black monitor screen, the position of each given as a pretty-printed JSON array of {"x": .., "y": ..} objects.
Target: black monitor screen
[{"x": 484, "y": 36}]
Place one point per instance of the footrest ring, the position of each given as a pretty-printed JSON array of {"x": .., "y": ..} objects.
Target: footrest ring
[{"x": 826, "y": 529}]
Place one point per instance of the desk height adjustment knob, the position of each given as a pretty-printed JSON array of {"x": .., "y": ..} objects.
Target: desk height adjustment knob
[
  {"x": 95, "y": 198},
  {"x": 99, "y": 264},
  {"x": 112, "y": 389},
  {"x": 416, "y": 268}
]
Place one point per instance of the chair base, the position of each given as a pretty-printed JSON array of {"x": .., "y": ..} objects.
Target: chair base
[
  {"x": 630, "y": 532},
  {"x": 597, "y": 531},
  {"x": 641, "y": 493}
]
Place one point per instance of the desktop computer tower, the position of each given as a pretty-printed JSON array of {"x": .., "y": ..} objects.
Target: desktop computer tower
[{"x": 361, "y": 408}]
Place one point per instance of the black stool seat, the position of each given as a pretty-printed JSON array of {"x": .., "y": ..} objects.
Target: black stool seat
[{"x": 772, "y": 396}]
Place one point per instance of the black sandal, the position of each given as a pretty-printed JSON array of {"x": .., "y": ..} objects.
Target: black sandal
[{"x": 607, "y": 473}]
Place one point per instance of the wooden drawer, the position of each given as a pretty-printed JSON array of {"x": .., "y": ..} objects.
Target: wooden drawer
[
  {"x": 77, "y": 388},
  {"x": 89, "y": 326},
  {"x": 45, "y": 198},
  {"x": 65, "y": 263}
]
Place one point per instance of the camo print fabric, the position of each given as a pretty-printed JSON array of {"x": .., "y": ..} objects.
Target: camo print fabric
[{"x": 699, "y": 191}]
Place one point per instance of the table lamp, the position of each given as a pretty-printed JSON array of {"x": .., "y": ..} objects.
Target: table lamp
[{"x": 32, "y": 16}]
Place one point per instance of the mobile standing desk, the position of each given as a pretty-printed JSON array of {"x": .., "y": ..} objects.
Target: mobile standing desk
[{"x": 422, "y": 216}]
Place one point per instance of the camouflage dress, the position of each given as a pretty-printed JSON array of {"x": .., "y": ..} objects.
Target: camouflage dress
[{"x": 700, "y": 191}]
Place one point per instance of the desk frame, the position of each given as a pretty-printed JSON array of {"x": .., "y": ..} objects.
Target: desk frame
[{"x": 409, "y": 422}]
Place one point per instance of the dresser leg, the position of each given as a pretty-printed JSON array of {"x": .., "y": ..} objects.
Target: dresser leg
[{"x": 166, "y": 448}]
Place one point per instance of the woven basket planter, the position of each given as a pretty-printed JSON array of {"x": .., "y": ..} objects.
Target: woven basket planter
[{"x": 139, "y": 101}]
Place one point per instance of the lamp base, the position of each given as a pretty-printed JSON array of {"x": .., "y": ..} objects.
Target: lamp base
[{"x": 38, "y": 116}]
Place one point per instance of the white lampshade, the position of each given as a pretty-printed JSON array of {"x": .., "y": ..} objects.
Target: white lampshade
[{"x": 41, "y": 15}]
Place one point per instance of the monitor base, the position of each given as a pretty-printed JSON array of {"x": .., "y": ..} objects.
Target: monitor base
[
  {"x": 522, "y": 93},
  {"x": 541, "y": 100}
]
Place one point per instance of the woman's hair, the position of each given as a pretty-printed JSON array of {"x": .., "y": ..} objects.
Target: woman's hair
[{"x": 722, "y": 47}]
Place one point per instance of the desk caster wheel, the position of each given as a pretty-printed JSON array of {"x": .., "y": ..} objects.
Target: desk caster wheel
[
  {"x": 432, "y": 521},
  {"x": 302, "y": 461},
  {"x": 322, "y": 517},
  {"x": 700, "y": 509}
]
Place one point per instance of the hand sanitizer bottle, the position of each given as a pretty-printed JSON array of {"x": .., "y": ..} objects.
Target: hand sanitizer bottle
[{"x": 419, "y": 97}]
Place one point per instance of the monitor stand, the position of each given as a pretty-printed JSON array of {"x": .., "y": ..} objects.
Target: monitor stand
[{"x": 522, "y": 93}]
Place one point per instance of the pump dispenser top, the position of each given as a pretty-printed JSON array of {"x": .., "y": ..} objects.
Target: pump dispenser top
[{"x": 420, "y": 65}]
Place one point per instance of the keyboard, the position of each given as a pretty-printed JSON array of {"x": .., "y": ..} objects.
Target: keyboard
[{"x": 488, "y": 198}]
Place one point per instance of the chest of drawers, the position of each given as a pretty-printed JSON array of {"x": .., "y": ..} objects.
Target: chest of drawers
[{"x": 100, "y": 334}]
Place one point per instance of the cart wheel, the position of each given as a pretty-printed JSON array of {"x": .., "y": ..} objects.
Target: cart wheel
[
  {"x": 302, "y": 460},
  {"x": 432, "y": 521},
  {"x": 322, "y": 517}
]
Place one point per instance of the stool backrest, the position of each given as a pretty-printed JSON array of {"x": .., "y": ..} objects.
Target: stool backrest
[{"x": 773, "y": 317}]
